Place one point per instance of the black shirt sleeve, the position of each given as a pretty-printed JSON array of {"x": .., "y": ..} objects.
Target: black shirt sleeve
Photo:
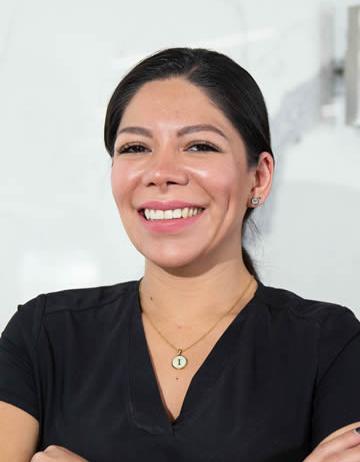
[
  {"x": 18, "y": 384},
  {"x": 337, "y": 392}
]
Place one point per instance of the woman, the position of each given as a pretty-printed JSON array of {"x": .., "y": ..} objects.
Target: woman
[{"x": 198, "y": 360}]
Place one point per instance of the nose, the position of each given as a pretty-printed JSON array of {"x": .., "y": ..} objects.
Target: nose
[{"x": 164, "y": 167}]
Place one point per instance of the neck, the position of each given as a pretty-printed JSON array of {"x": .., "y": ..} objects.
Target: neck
[{"x": 183, "y": 301}]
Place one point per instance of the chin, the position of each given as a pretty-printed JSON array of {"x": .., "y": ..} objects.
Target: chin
[
  {"x": 171, "y": 258},
  {"x": 171, "y": 261}
]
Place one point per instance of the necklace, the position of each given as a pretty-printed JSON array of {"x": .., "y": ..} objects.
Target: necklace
[{"x": 180, "y": 361}]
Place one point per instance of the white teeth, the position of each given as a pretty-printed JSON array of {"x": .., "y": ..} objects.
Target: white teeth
[
  {"x": 185, "y": 212},
  {"x": 177, "y": 213},
  {"x": 152, "y": 214}
]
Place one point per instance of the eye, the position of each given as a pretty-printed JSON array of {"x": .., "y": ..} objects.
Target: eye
[
  {"x": 129, "y": 148},
  {"x": 204, "y": 146},
  {"x": 136, "y": 148}
]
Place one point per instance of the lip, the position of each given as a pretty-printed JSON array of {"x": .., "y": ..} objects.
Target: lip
[{"x": 167, "y": 205}]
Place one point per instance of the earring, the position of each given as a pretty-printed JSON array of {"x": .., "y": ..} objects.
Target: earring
[{"x": 255, "y": 201}]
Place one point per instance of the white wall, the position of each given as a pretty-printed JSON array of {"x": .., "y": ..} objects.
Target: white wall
[{"x": 59, "y": 63}]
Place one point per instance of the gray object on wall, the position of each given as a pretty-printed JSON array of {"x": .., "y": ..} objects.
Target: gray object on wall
[{"x": 352, "y": 67}]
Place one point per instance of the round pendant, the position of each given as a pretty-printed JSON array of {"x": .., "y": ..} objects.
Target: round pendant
[{"x": 179, "y": 361}]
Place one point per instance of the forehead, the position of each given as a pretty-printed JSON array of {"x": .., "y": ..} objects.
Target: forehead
[{"x": 174, "y": 101}]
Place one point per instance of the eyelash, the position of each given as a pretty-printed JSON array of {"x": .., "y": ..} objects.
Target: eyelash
[{"x": 125, "y": 147}]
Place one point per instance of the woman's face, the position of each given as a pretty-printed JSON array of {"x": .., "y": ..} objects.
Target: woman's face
[{"x": 164, "y": 160}]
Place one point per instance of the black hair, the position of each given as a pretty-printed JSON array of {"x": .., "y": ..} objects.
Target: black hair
[{"x": 226, "y": 83}]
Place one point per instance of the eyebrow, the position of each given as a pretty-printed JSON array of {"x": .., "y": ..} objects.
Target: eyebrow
[{"x": 182, "y": 131}]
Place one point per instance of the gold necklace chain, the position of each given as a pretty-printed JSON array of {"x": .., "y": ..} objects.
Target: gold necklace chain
[{"x": 179, "y": 361}]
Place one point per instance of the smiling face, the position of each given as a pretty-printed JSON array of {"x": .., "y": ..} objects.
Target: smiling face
[{"x": 203, "y": 168}]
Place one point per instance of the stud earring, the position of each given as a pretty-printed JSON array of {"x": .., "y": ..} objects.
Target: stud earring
[{"x": 255, "y": 201}]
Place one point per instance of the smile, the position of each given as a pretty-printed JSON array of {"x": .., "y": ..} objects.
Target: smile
[
  {"x": 161, "y": 224},
  {"x": 156, "y": 214}
]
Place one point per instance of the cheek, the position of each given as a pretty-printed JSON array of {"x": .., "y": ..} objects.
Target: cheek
[
  {"x": 119, "y": 184},
  {"x": 115, "y": 181},
  {"x": 220, "y": 180},
  {"x": 122, "y": 178}
]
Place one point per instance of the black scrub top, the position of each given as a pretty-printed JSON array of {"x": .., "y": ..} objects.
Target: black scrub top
[{"x": 284, "y": 375}]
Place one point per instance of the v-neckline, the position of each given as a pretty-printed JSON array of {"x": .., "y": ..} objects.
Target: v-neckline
[{"x": 146, "y": 406}]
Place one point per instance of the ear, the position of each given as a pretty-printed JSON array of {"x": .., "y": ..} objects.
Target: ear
[{"x": 263, "y": 175}]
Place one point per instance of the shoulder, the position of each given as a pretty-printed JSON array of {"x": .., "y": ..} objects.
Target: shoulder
[
  {"x": 285, "y": 302},
  {"x": 22, "y": 331},
  {"x": 331, "y": 326},
  {"x": 77, "y": 299}
]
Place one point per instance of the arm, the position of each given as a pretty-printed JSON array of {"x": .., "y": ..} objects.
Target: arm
[
  {"x": 336, "y": 404},
  {"x": 341, "y": 445},
  {"x": 336, "y": 399},
  {"x": 58, "y": 454},
  {"x": 19, "y": 433},
  {"x": 19, "y": 407}
]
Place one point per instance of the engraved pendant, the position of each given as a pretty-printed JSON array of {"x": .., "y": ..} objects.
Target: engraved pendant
[{"x": 179, "y": 361}]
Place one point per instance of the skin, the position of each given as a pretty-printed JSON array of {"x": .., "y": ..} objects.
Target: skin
[
  {"x": 193, "y": 276},
  {"x": 343, "y": 445},
  {"x": 58, "y": 454}
]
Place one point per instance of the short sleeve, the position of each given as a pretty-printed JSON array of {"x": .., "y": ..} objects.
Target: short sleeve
[
  {"x": 336, "y": 398},
  {"x": 18, "y": 364}
]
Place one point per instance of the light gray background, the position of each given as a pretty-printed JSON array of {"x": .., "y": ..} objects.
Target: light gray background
[{"x": 60, "y": 62}]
